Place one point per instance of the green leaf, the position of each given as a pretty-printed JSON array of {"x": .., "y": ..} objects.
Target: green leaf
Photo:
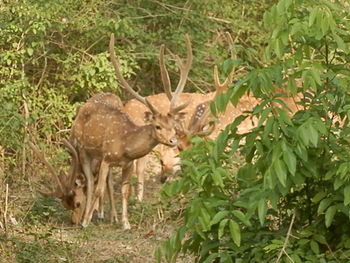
[
  {"x": 229, "y": 64},
  {"x": 222, "y": 227},
  {"x": 240, "y": 215},
  {"x": 219, "y": 216},
  {"x": 323, "y": 205},
  {"x": 290, "y": 160},
  {"x": 312, "y": 16},
  {"x": 316, "y": 76},
  {"x": 314, "y": 247},
  {"x": 347, "y": 195},
  {"x": 313, "y": 135},
  {"x": 318, "y": 197},
  {"x": 283, "y": 116},
  {"x": 320, "y": 239},
  {"x": 262, "y": 210},
  {"x": 338, "y": 182},
  {"x": 264, "y": 115},
  {"x": 269, "y": 180},
  {"x": 217, "y": 178},
  {"x": 292, "y": 86},
  {"x": 235, "y": 232},
  {"x": 280, "y": 170},
  {"x": 30, "y": 51},
  {"x": 330, "y": 214},
  {"x": 340, "y": 43},
  {"x": 204, "y": 219},
  {"x": 303, "y": 135}
]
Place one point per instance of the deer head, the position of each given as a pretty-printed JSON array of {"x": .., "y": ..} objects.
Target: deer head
[
  {"x": 69, "y": 187},
  {"x": 159, "y": 121}
]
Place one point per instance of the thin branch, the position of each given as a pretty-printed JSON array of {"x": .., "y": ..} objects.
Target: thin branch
[
  {"x": 43, "y": 71},
  {"x": 219, "y": 20},
  {"x": 6, "y": 208},
  {"x": 72, "y": 47},
  {"x": 170, "y": 7},
  {"x": 283, "y": 250}
]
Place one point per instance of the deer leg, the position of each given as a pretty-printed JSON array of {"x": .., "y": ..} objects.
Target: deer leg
[
  {"x": 101, "y": 212},
  {"x": 86, "y": 165},
  {"x": 126, "y": 174},
  {"x": 110, "y": 189},
  {"x": 140, "y": 169},
  {"x": 100, "y": 188}
]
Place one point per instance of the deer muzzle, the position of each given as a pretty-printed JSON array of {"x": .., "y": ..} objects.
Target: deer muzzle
[{"x": 173, "y": 142}]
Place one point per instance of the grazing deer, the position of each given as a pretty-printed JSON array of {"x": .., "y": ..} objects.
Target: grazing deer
[
  {"x": 106, "y": 133},
  {"x": 69, "y": 187}
]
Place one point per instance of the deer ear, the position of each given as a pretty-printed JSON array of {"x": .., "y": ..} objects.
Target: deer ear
[
  {"x": 148, "y": 117},
  {"x": 79, "y": 183}
]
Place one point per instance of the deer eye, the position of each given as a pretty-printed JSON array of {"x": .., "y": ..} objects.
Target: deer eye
[
  {"x": 158, "y": 127},
  {"x": 77, "y": 205}
]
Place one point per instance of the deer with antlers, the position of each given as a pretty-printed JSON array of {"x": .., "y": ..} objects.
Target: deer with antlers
[
  {"x": 197, "y": 120},
  {"x": 106, "y": 133},
  {"x": 69, "y": 187}
]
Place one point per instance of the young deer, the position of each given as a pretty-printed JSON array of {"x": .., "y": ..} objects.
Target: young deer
[{"x": 106, "y": 133}]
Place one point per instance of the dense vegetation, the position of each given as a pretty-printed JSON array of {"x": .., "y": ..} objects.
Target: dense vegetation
[
  {"x": 282, "y": 196},
  {"x": 289, "y": 200}
]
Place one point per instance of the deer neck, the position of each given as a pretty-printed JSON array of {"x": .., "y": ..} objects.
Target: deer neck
[{"x": 140, "y": 142}]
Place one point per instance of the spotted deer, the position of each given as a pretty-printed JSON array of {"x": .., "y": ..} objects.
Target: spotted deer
[
  {"x": 196, "y": 120},
  {"x": 69, "y": 187},
  {"x": 106, "y": 133}
]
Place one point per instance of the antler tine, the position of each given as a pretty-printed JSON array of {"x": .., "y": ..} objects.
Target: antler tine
[
  {"x": 221, "y": 87},
  {"x": 164, "y": 74},
  {"x": 231, "y": 44},
  {"x": 75, "y": 160},
  {"x": 42, "y": 158},
  {"x": 184, "y": 69},
  {"x": 119, "y": 75}
]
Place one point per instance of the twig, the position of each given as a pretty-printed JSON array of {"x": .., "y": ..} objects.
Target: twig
[
  {"x": 219, "y": 20},
  {"x": 6, "y": 208},
  {"x": 283, "y": 250},
  {"x": 24, "y": 152},
  {"x": 331, "y": 251},
  {"x": 43, "y": 71},
  {"x": 72, "y": 47},
  {"x": 170, "y": 7}
]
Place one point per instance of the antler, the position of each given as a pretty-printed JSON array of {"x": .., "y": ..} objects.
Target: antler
[
  {"x": 221, "y": 87},
  {"x": 75, "y": 161},
  {"x": 164, "y": 74},
  {"x": 184, "y": 70},
  {"x": 120, "y": 77},
  {"x": 42, "y": 158}
]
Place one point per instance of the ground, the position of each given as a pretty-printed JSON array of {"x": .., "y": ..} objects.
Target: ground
[{"x": 38, "y": 228}]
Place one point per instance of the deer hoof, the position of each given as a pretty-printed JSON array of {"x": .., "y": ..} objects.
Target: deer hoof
[
  {"x": 140, "y": 197},
  {"x": 100, "y": 215},
  {"x": 126, "y": 226},
  {"x": 84, "y": 224},
  {"x": 114, "y": 219}
]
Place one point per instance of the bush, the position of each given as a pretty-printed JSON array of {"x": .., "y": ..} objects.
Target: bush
[{"x": 289, "y": 200}]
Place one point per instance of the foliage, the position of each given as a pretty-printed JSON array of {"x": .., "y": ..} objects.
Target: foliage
[
  {"x": 296, "y": 164},
  {"x": 53, "y": 55},
  {"x": 43, "y": 210},
  {"x": 43, "y": 249}
]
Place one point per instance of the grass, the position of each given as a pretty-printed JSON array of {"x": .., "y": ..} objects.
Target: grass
[{"x": 38, "y": 230}]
